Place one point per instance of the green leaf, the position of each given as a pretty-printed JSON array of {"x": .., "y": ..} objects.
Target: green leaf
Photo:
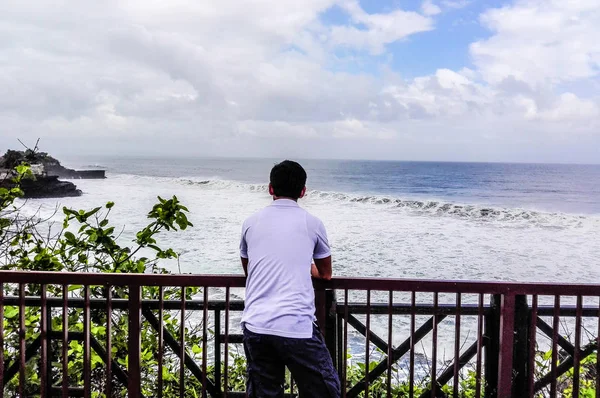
[
  {"x": 92, "y": 212},
  {"x": 75, "y": 287},
  {"x": 10, "y": 312},
  {"x": 70, "y": 237},
  {"x": 22, "y": 168}
]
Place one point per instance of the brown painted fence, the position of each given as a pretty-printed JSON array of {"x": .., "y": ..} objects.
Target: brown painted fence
[{"x": 387, "y": 337}]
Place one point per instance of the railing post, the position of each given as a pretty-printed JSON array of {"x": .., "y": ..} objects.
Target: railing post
[
  {"x": 492, "y": 347},
  {"x": 326, "y": 317},
  {"x": 331, "y": 325},
  {"x": 218, "y": 351},
  {"x": 521, "y": 347},
  {"x": 134, "y": 387},
  {"x": 507, "y": 332},
  {"x": 320, "y": 308},
  {"x": 49, "y": 353}
]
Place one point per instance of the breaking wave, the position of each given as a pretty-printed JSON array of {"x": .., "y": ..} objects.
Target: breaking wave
[{"x": 417, "y": 207}]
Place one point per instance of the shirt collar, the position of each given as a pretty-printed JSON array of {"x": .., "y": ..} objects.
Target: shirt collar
[{"x": 284, "y": 203}]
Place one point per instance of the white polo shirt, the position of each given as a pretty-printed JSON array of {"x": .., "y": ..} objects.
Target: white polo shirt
[{"x": 280, "y": 242}]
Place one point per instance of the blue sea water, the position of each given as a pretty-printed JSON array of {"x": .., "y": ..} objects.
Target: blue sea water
[
  {"x": 546, "y": 187},
  {"x": 426, "y": 220},
  {"x": 516, "y": 222}
]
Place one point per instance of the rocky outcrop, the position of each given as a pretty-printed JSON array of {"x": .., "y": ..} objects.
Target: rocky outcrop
[
  {"x": 48, "y": 187},
  {"x": 46, "y": 171},
  {"x": 63, "y": 172},
  {"x": 40, "y": 186},
  {"x": 44, "y": 164}
]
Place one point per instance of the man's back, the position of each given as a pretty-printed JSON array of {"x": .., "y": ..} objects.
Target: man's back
[
  {"x": 276, "y": 249},
  {"x": 280, "y": 242}
]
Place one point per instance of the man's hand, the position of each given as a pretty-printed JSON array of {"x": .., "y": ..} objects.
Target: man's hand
[
  {"x": 322, "y": 268},
  {"x": 314, "y": 272},
  {"x": 245, "y": 265}
]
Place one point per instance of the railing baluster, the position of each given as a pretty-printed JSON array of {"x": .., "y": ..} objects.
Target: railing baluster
[
  {"x": 340, "y": 342},
  {"x": 390, "y": 347},
  {"x": 555, "y": 325},
  {"x": 367, "y": 343},
  {"x": 22, "y": 341},
  {"x": 457, "y": 345},
  {"x": 532, "y": 342},
  {"x": 479, "y": 346},
  {"x": 134, "y": 387},
  {"x": 49, "y": 369},
  {"x": 577, "y": 352},
  {"x": 87, "y": 388},
  {"x": 204, "y": 339},
  {"x": 108, "y": 386},
  {"x": 65, "y": 343},
  {"x": 411, "y": 378},
  {"x": 44, "y": 342},
  {"x": 161, "y": 338},
  {"x": 226, "y": 366},
  {"x": 507, "y": 331},
  {"x": 434, "y": 346},
  {"x": 182, "y": 345},
  {"x": 217, "y": 349},
  {"x": 345, "y": 368}
]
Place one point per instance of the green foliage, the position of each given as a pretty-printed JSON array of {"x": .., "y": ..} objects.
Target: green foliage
[
  {"x": 86, "y": 242},
  {"x": 564, "y": 383}
]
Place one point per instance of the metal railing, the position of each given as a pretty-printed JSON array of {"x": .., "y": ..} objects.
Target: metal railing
[{"x": 386, "y": 337}]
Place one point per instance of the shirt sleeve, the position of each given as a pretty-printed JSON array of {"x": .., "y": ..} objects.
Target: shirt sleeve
[
  {"x": 322, "y": 249},
  {"x": 243, "y": 243}
]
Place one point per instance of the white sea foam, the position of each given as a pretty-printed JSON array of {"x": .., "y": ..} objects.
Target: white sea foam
[
  {"x": 370, "y": 235},
  {"x": 415, "y": 207}
]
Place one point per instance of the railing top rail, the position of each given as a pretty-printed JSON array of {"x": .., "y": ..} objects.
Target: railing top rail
[
  {"x": 463, "y": 286},
  {"x": 382, "y": 284},
  {"x": 118, "y": 279}
]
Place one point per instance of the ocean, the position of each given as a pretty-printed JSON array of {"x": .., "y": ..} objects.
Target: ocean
[
  {"x": 450, "y": 221},
  {"x": 468, "y": 221}
]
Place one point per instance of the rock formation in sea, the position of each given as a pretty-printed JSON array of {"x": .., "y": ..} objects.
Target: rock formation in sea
[{"x": 47, "y": 171}]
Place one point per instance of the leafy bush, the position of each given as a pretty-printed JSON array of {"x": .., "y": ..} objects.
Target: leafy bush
[{"x": 86, "y": 242}]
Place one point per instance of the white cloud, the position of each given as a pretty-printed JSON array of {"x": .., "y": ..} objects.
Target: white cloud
[
  {"x": 216, "y": 78},
  {"x": 353, "y": 128},
  {"x": 428, "y": 7},
  {"x": 377, "y": 29},
  {"x": 445, "y": 94},
  {"x": 541, "y": 42},
  {"x": 567, "y": 107},
  {"x": 456, "y": 4},
  {"x": 276, "y": 129}
]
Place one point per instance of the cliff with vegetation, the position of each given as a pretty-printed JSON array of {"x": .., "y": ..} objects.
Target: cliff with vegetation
[{"x": 42, "y": 182}]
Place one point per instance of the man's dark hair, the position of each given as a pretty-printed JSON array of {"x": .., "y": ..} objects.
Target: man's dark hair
[{"x": 288, "y": 179}]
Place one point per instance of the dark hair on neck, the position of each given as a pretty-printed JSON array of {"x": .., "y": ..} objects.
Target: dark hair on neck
[{"x": 288, "y": 179}]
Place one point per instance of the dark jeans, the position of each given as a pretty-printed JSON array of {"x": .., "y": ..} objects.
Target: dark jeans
[{"x": 307, "y": 359}]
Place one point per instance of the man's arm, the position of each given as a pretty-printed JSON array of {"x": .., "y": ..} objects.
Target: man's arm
[
  {"x": 245, "y": 265},
  {"x": 244, "y": 250},
  {"x": 322, "y": 268},
  {"x": 322, "y": 254}
]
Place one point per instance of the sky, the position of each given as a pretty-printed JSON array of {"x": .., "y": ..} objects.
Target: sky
[{"x": 447, "y": 80}]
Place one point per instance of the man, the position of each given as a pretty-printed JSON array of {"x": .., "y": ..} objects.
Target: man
[{"x": 277, "y": 248}]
